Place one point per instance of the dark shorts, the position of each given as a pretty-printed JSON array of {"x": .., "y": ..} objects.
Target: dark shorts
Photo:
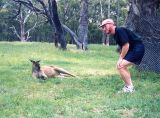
[{"x": 136, "y": 54}]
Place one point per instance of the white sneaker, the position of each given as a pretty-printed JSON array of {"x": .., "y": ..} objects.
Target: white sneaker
[{"x": 128, "y": 89}]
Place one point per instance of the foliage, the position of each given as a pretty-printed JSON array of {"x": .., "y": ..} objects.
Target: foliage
[
  {"x": 94, "y": 34},
  {"x": 69, "y": 15},
  {"x": 92, "y": 94}
]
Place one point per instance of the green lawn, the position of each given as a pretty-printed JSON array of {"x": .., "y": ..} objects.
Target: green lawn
[{"x": 93, "y": 94}]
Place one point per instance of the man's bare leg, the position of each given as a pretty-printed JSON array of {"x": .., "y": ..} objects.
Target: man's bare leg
[{"x": 124, "y": 73}]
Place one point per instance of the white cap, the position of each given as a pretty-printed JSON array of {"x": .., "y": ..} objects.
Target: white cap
[{"x": 107, "y": 21}]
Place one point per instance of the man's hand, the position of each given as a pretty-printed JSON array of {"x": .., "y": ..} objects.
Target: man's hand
[{"x": 119, "y": 63}]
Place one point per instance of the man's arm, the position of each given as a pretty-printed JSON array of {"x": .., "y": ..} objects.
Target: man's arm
[
  {"x": 124, "y": 50},
  {"x": 123, "y": 53}
]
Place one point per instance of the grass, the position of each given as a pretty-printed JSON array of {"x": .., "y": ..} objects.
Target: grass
[{"x": 93, "y": 94}]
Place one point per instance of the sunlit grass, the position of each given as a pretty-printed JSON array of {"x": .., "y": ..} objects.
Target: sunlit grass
[{"x": 93, "y": 93}]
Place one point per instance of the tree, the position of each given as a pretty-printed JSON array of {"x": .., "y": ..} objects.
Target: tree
[
  {"x": 5, "y": 31},
  {"x": 22, "y": 18},
  {"x": 139, "y": 9},
  {"x": 143, "y": 18},
  {"x": 109, "y": 10},
  {"x": 49, "y": 11},
  {"x": 117, "y": 12},
  {"x": 69, "y": 15},
  {"x": 83, "y": 26}
]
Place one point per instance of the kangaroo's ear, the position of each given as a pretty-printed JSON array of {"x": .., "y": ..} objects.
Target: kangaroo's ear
[
  {"x": 38, "y": 61},
  {"x": 31, "y": 60}
]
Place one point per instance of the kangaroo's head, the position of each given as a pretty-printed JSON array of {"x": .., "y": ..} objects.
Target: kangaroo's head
[
  {"x": 36, "y": 70},
  {"x": 35, "y": 66}
]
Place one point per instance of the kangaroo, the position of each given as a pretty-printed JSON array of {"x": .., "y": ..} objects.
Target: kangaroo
[{"x": 46, "y": 72}]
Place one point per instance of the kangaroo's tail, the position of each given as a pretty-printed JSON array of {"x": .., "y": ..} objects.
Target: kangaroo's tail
[{"x": 62, "y": 71}]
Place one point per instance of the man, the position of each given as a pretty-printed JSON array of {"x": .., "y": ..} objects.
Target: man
[{"x": 132, "y": 50}]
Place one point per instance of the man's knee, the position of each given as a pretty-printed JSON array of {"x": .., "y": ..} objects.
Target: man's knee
[
  {"x": 126, "y": 63},
  {"x": 121, "y": 69}
]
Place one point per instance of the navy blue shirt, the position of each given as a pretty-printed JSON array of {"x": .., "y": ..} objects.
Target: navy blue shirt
[{"x": 123, "y": 35}]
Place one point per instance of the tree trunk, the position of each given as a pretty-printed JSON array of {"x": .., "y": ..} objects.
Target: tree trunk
[
  {"x": 22, "y": 28},
  {"x": 142, "y": 18},
  {"x": 102, "y": 18},
  {"x": 140, "y": 8},
  {"x": 22, "y": 19},
  {"x": 73, "y": 36},
  {"x": 109, "y": 9},
  {"x": 59, "y": 30},
  {"x": 117, "y": 13},
  {"x": 83, "y": 26}
]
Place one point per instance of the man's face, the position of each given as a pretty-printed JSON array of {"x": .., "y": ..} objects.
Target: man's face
[{"x": 106, "y": 28}]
